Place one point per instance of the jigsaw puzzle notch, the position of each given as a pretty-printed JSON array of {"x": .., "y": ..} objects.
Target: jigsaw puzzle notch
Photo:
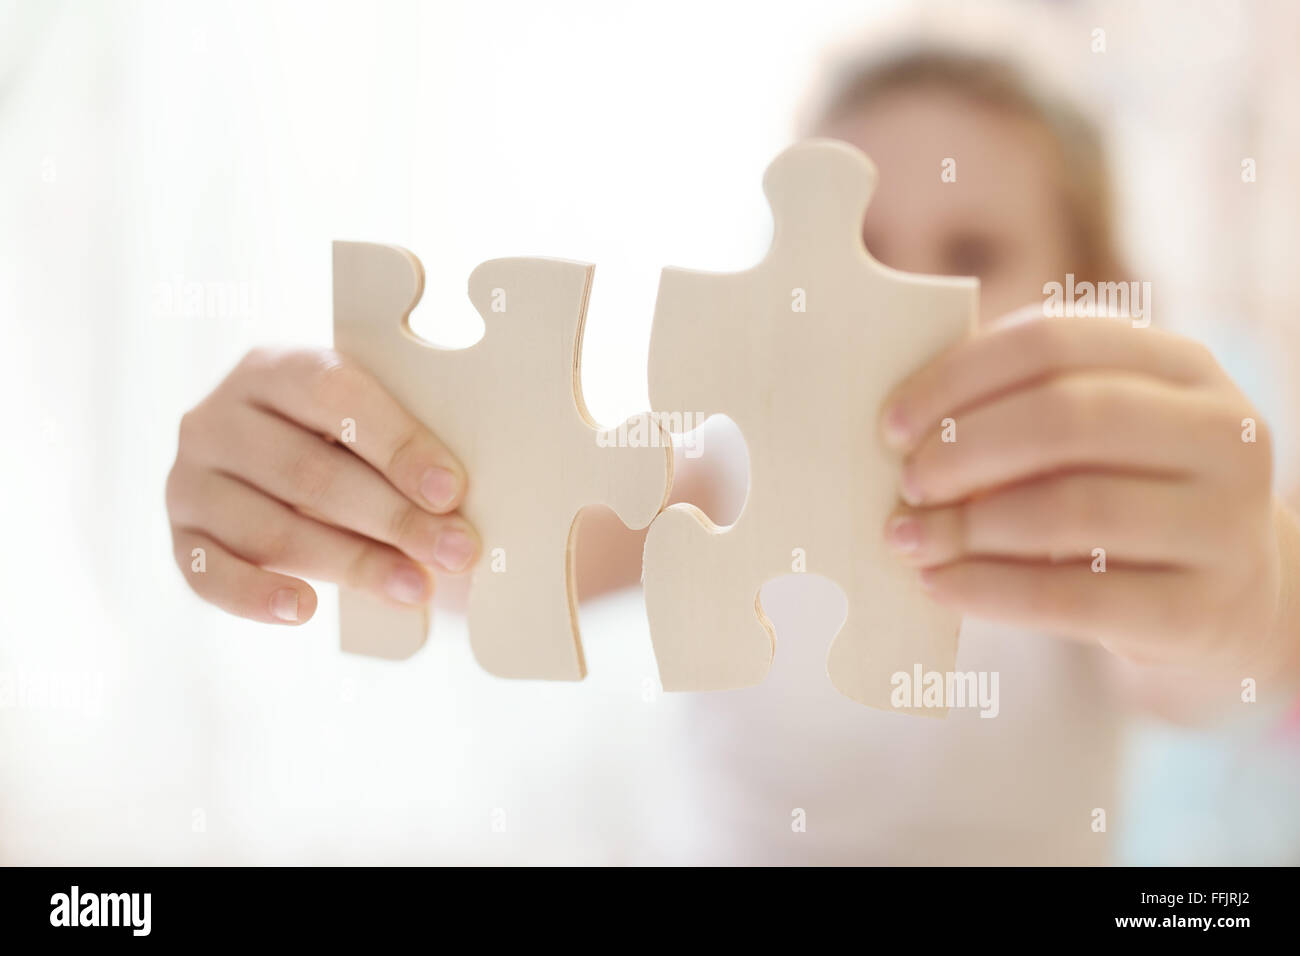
[
  {"x": 805, "y": 397},
  {"x": 510, "y": 408}
]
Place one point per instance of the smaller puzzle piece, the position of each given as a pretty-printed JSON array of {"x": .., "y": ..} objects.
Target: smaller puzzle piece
[
  {"x": 799, "y": 351},
  {"x": 510, "y": 408}
]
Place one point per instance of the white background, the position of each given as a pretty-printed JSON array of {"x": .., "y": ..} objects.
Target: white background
[{"x": 148, "y": 146}]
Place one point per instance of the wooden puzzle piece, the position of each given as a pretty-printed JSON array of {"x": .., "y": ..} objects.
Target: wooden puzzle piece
[
  {"x": 510, "y": 408},
  {"x": 799, "y": 351}
]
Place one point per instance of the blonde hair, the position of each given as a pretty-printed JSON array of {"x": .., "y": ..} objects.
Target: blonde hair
[{"x": 999, "y": 84}]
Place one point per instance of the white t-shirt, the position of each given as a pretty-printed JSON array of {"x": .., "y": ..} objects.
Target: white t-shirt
[{"x": 1022, "y": 787}]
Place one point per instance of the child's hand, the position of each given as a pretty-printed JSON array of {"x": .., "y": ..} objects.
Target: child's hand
[
  {"x": 1073, "y": 435},
  {"x": 261, "y": 485}
]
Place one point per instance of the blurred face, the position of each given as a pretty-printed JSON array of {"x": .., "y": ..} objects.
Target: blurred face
[{"x": 1004, "y": 218}]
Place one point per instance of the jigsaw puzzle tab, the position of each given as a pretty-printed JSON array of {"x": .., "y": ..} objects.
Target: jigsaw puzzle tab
[
  {"x": 799, "y": 351},
  {"x": 510, "y": 408}
]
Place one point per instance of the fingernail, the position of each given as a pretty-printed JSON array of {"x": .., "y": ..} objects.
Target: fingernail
[
  {"x": 439, "y": 487},
  {"x": 406, "y": 585},
  {"x": 904, "y": 534},
  {"x": 895, "y": 426},
  {"x": 284, "y": 605},
  {"x": 908, "y": 486},
  {"x": 454, "y": 550}
]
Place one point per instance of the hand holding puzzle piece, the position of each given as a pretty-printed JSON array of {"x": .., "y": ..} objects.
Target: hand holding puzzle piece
[{"x": 799, "y": 351}]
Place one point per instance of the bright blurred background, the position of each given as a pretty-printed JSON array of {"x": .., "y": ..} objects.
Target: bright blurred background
[{"x": 171, "y": 176}]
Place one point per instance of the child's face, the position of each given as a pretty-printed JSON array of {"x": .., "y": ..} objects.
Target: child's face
[{"x": 1003, "y": 219}]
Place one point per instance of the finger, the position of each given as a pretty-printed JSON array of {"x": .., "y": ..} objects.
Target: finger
[
  {"x": 1010, "y": 357},
  {"x": 1120, "y": 606},
  {"x": 1134, "y": 519},
  {"x": 321, "y": 389},
  {"x": 271, "y": 535},
  {"x": 1078, "y": 421},
  {"x": 236, "y": 586},
  {"x": 298, "y": 468}
]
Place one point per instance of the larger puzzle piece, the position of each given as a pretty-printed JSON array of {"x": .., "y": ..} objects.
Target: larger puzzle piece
[
  {"x": 510, "y": 408},
  {"x": 799, "y": 351}
]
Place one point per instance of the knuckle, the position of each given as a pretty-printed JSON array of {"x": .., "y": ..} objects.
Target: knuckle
[
  {"x": 189, "y": 432},
  {"x": 358, "y": 572},
  {"x": 332, "y": 382},
  {"x": 406, "y": 444},
  {"x": 274, "y": 543},
  {"x": 257, "y": 360},
  {"x": 204, "y": 428},
  {"x": 405, "y": 524},
  {"x": 313, "y": 476},
  {"x": 1202, "y": 356},
  {"x": 172, "y": 491}
]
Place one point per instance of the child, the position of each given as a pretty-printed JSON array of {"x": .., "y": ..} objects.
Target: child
[{"x": 1074, "y": 434}]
